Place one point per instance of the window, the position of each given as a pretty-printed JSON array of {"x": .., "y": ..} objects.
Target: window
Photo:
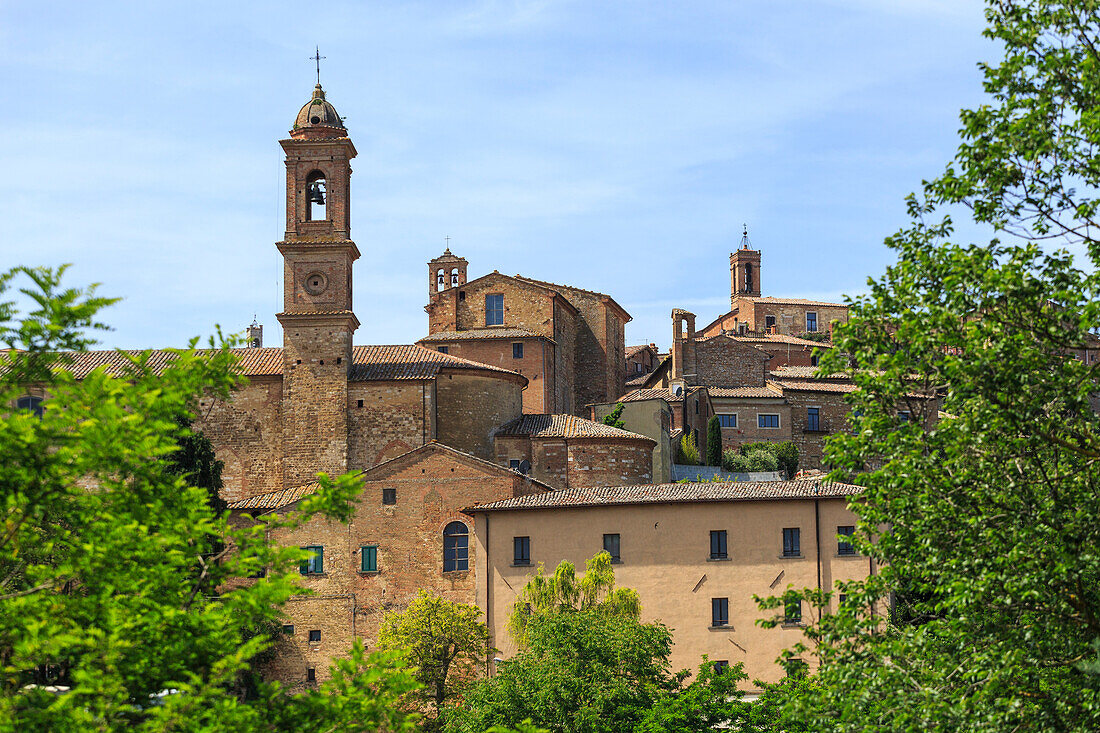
[
  {"x": 792, "y": 542},
  {"x": 903, "y": 416},
  {"x": 767, "y": 421},
  {"x": 748, "y": 277},
  {"x": 727, "y": 421},
  {"x": 443, "y": 349},
  {"x": 769, "y": 322},
  {"x": 521, "y": 550},
  {"x": 843, "y": 599},
  {"x": 844, "y": 546},
  {"x": 813, "y": 359},
  {"x": 456, "y": 547},
  {"x": 718, "y": 544},
  {"x": 811, "y": 321},
  {"x": 368, "y": 560},
  {"x": 696, "y": 407},
  {"x": 494, "y": 310},
  {"x": 314, "y": 636},
  {"x": 288, "y": 629},
  {"x": 462, "y": 295},
  {"x": 611, "y": 546},
  {"x": 637, "y": 368},
  {"x": 30, "y": 404},
  {"x": 514, "y": 464},
  {"x": 311, "y": 675},
  {"x": 315, "y": 194},
  {"x": 719, "y": 611},
  {"x": 792, "y": 612},
  {"x": 517, "y": 351},
  {"x": 813, "y": 419},
  {"x": 389, "y": 496},
  {"x": 315, "y": 564},
  {"x": 721, "y": 665},
  {"x": 359, "y": 403}
]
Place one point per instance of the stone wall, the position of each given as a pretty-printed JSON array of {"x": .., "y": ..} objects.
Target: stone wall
[
  {"x": 832, "y": 418},
  {"x": 247, "y": 435},
  {"x": 536, "y": 364},
  {"x": 470, "y": 407},
  {"x": 525, "y": 306},
  {"x": 748, "y": 430},
  {"x": 386, "y": 419},
  {"x": 723, "y": 362},
  {"x": 790, "y": 318}
]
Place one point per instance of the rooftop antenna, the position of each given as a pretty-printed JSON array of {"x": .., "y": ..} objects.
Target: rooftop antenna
[
  {"x": 745, "y": 236},
  {"x": 317, "y": 57}
]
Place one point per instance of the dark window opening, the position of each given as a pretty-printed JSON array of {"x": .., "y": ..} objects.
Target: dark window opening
[
  {"x": 517, "y": 351},
  {"x": 316, "y": 193},
  {"x": 767, "y": 421},
  {"x": 462, "y": 295},
  {"x": 368, "y": 562},
  {"x": 727, "y": 421},
  {"x": 456, "y": 547},
  {"x": 521, "y": 550},
  {"x": 718, "y": 544},
  {"x": 769, "y": 322},
  {"x": 314, "y": 635},
  {"x": 31, "y": 404},
  {"x": 811, "y": 321},
  {"x": 792, "y": 612},
  {"x": 611, "y": 546},
  {"x": 719, "y": 611},
  {"x": 315, "y": 563},
  {"x": 443, "y": 349},
  {"x": 748, "y": 277},
  {"x": 359, "y": 403},
  {"x": 288, "y": 629},
  {"x": 813, "y": 419},
  {"x": 494, "y": 309},
  {"x": 389, "y": 496},
  {"x": 311, "y": 675},
  {"x": 721, "y": 665},
  {"x": 845, "y": 546},
  {"x": 792, "y": 542},
  {"x": 813, "y": 359}
]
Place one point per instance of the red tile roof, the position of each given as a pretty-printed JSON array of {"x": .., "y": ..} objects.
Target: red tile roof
[
  {"x": 638, "y": 395},
  {"x": 743, "y": 392},
  {"x": 815, "y": 385},
  {"x": 482, "y": 333},
  {"x": 564, "y": 426},
  {"x": 675, "y": 494},
  {"x": 779, "y": 338},
  {"x": 369, "y": 363},
  {"x": 276, "y": 499},
  {"x": 787, "y": 301},
  {"x": 804, "y": 372}
]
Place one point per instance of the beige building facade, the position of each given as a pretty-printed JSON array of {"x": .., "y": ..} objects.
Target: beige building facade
[{"x": 697, "y": 554}]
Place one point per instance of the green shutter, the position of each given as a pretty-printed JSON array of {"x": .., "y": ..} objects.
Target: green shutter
[
  {"x": 303, "y": 568},
  {"x": 370, "y": 558},
  {"x": 320, "y": 559}
]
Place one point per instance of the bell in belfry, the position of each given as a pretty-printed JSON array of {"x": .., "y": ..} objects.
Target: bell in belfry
[{"x": 316, "y": 194}]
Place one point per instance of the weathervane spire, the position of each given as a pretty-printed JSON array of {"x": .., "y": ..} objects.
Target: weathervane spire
[{"x": 317, "y": 57}]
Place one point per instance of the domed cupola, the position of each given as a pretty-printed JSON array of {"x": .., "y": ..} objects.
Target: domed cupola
[{"x": 318, "y": 119}]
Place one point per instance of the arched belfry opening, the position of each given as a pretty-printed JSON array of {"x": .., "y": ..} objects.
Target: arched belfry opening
[
  {"x": 446, "y": 272},
  {"x": 316, "y": 197}
]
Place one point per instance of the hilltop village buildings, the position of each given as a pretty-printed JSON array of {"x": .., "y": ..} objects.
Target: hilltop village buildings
[{"x": 481, "y": 450}]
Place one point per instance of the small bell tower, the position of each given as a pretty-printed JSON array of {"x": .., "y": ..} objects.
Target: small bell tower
[
  {"x": 317, "y": 318},
  {"x": 744, "y": 270},
  {"x": 445, "y": 272}
]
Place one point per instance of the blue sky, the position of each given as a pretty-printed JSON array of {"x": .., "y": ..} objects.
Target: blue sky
[{"x": 616, "y": 146}]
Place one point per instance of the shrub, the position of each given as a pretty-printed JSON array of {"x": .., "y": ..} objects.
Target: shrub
[
  {"x": 787, "y": 455},
  {"x": 762, "y": 460},
  {"x": 689, "y": 452},
  {"x": 734, "y": 462}
]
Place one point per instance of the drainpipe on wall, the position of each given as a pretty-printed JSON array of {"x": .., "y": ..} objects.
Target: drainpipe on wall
[{"x": 817, "y": 538}]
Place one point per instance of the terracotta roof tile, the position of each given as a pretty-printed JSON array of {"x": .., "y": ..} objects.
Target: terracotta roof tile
[
  {"x": 369, "y": 363},
  {"x": 804, "y": 372},
  {"x": 633, "y": 350},
  {"x": 779, "y": 338},
  {"x": 276, "y": 499},
  {"x": 564, "y": 426},
  {"x": 639, "y": 395},
  {"x": 787, "y": 301},
  {"x": 638, "y": 381},
  {"x": 675, "y": 494},
  {"x": 483, "y": 333},
  {"x": 815, "y": 385},
  {"x": 764, "y": 391}
]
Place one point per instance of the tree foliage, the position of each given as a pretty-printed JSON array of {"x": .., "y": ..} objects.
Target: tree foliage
[
  {"x": 688, "y": 453},
  {"x": 446, "y": 643},
  {"x": 108, "y": 588},
  {"x": 613, "y": 418},
  {"x": 993, "y": 513},
  {"x": 714, "y": 441}
]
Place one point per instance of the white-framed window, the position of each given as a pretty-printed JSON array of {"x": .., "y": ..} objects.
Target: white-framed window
[
  {"x": 811, "y": 321},
  {"x": 767, "y": 420}
]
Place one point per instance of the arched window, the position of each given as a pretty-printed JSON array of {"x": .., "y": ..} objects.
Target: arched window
[
  {"x": 316, "y": 191},
  {"x": 456, "y": 547},
  {"x": 31, "y": 404},
  {"x": 440, "y": 280},
  {"x": 454, "y": 277}
]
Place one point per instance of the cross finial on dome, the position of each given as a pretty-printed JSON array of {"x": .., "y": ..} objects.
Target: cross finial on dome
[{"x": 317, "y": 57}]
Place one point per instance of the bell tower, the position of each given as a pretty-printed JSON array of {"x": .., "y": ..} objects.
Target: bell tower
[
  {"x": 445, "y": 272},
  {"x": 317, "y": 318},
  {"x": 744, "y": 270}
]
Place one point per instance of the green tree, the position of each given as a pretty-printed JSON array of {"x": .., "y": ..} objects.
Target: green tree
[
  {"x": 612, "y": 418},
  {"x": 107, "y": 585},
  {"x": 714, "y": 441},
  {"x": 549, "y": 595},
  {"x": 446, "y": 643},
  {"x": 196, "y": 463},
  {"x": 587, "y": 663},
  {"x": 992, "y": 513}
]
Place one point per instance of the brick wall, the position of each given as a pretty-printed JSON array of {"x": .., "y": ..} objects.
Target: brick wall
[
  {"x": 748, "y": 430},
  {"x": 394, "y": 418},
  {"x": 432, "y": 486},
  {"x": 789, "y": 318},
  {"x": 525, "y": 305},
  {"x": 723, "y": 362},
  {"x": 579, "y": 462},
  {"x": 565, "y": 334},
  {"x": 833, "y": 417},
  {"x": 247, "y": 435},
  {"x": 536, "y": 364},
  {"x": 470, "y": 407}
]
